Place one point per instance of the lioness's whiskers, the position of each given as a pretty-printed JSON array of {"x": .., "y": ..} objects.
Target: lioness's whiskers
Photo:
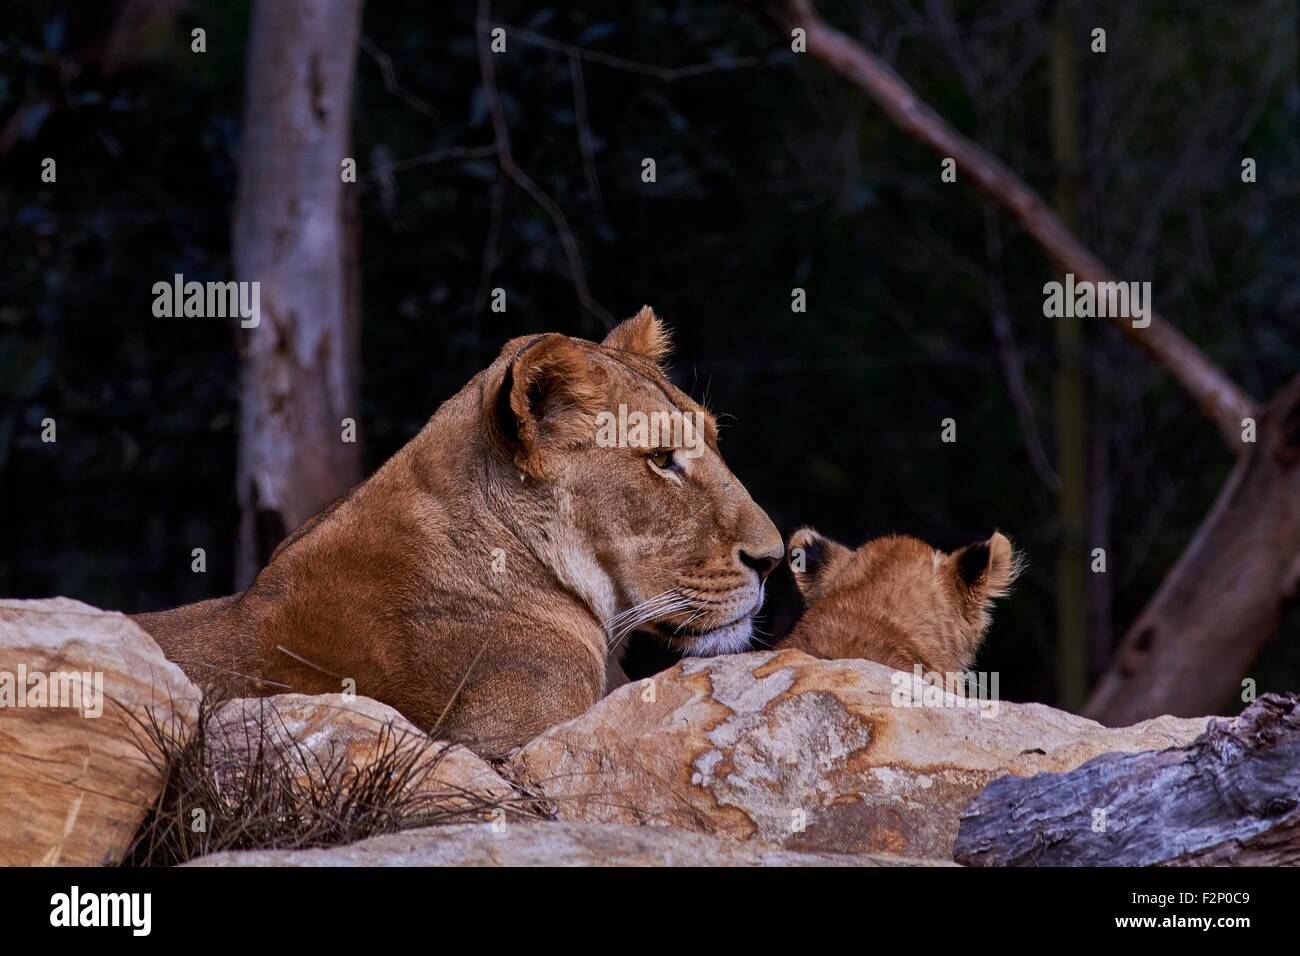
[
  {"x": 686, "y": 623},
  {"x": 624, "y": 623},
  {"x": 683, "y": 597},
  {"x": 637, "y": 609},
  {"x": 648, "y": 614}
]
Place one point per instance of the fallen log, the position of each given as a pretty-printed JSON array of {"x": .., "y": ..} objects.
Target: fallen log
[{"x": 1231, "y": 797}]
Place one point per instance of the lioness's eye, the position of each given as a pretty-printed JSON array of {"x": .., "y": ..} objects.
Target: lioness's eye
[{"x": 663, "y": 460}]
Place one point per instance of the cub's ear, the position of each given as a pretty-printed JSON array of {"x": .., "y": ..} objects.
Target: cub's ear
[
  {"x": 546, "y": 402},
  {"x": 813, "y": 558},
  {"x": 642, "y": 335},
  {"x": 987, "y": 569}
]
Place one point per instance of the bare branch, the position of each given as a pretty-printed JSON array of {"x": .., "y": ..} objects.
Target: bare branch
[
  {"x": 390, "y": 80},
  {"x": 506, "y": 158},
  {"x": 435, "y": 156},
  {"x": 584, "y": 134},
  {"x": 490, "y": 246},
  {"x": 1012, "y": 366},
  {"x": 666, "y": 73},
  {"x": 1218, "y": 397}
]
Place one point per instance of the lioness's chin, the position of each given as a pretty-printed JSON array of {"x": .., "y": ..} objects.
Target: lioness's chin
[{"x": 731, "y": 639}]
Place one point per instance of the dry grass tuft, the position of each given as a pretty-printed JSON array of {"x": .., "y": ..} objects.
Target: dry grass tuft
[{"x": 256, "y": 793}]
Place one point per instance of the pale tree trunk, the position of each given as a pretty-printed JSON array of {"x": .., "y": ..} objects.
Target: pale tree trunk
[
  {"x": 299, "y": 375},
  {"x": 1071, "y": 421}
]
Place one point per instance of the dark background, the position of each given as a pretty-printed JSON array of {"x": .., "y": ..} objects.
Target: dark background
[{"x": 772, "y": 174}]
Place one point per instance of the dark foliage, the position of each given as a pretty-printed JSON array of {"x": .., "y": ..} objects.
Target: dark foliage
[{"x": 771, "y": 175}]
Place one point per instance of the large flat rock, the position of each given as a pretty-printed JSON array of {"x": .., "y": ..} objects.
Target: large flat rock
[
  {"x": 547, "y": 844},
  {"x": 808, "y": 754}
]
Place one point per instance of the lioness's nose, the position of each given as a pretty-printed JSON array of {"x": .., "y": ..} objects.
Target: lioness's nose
[
  {"x": 764, "y": 562},
  {"x": 758, "y": 544}
]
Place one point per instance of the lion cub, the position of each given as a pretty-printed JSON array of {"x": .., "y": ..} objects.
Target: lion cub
[{"x": 896, "y": 600}]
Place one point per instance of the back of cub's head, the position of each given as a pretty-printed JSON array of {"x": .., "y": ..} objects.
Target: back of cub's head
[
  {"x": 897, "y": 600},
  {"x": 625, "y": 489}
]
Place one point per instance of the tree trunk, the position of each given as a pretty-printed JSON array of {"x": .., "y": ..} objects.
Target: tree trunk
[
  {"x": 1222, "y": 601},
  {"x": 299, "y": 375},
  {"x": 1232, "y": 797}
]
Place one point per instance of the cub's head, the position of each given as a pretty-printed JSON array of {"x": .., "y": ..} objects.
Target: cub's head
[
  {"x": 614, "y": 477},
  {"x": 898, "y": 601}
]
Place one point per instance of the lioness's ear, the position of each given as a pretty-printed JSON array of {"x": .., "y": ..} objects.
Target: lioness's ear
[
  {"x": 987, "y": 569},
  {"x": 643, "y": 335},
  {"x": 813, "y": 557},
  {"x": 548, "y": 397}
]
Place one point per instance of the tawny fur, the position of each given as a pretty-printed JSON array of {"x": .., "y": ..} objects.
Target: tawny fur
[
  {"x": 896, "y": 600},
  {"x": 469, "y": 580}
]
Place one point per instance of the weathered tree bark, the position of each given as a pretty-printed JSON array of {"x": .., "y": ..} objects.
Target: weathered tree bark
[
  {"x": 1190, "y": 647},
  {"x": 299, "y": 374},
  {"x": 1230, "y": 797},
  {"x": 1188, "y": 650}
]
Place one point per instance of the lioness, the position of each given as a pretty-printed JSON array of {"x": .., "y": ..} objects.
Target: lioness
[
  {"x": 896, "y": 600},
  {"x": 476, "y": 580}
]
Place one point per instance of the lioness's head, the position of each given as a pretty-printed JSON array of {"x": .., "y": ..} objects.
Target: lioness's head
[
  {"x": 616, "y": 480},
  {"x": 897, "y": 600}
]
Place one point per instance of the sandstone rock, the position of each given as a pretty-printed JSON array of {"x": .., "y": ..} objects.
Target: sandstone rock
[
  {"x": 74, "y": 781},
  {"x": 549, "y": 844},
  {"x": 329, "y": 736},
  {"x": 806, "y": 753}
]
